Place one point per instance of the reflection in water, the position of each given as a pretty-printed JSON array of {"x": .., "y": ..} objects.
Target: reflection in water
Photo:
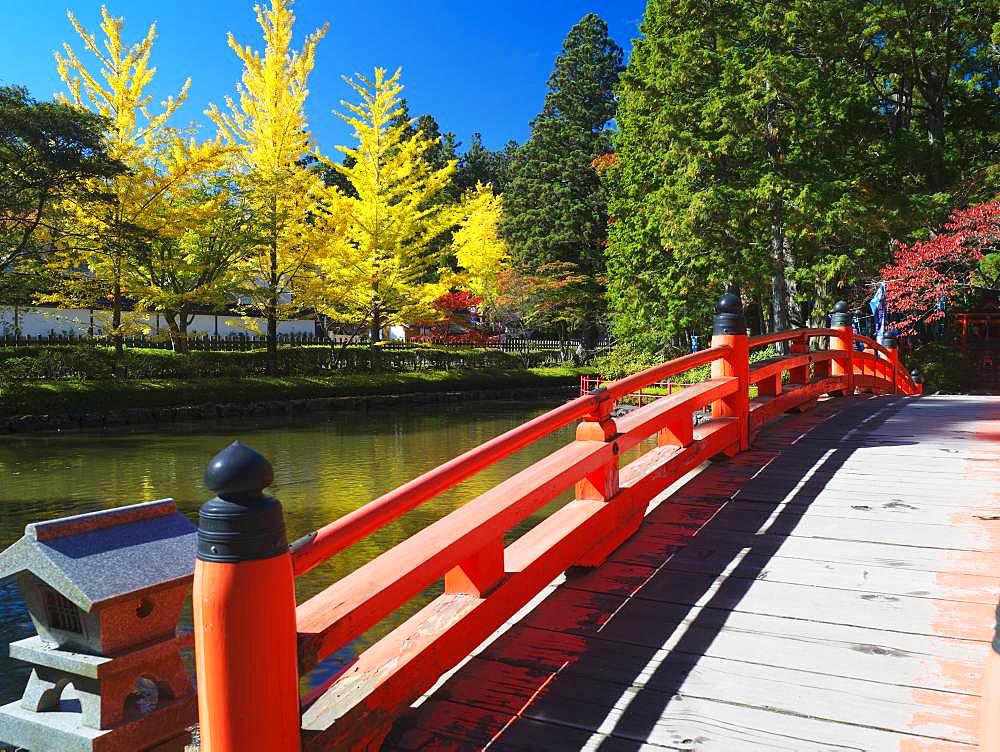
[{"x": 325, "y": 466}]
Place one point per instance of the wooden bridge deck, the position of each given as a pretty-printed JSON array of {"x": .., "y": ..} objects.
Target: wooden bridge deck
[{"x": 833, "y": 588}]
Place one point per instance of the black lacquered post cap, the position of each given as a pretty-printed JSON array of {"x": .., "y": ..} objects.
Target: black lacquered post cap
[
  {"x": 241, "y": 523},
  {"x": 729, "y": 317},
  {"x": 239, "y": 471},
  {"x": 891, "y": 339},
  {"x": 915, "y": 375},
  {"x": 841, "y": 315}
]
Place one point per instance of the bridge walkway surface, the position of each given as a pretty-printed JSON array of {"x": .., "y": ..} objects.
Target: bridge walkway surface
[{"x": 832, "y": 588}]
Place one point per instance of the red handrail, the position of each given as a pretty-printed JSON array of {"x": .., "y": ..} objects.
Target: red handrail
[
  {"x": 636, "y": 381},
  {"x": 317, "y": 547},
  {"x": 790, "y": 334}
]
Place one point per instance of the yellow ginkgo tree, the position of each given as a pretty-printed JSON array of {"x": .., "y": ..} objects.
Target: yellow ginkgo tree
[
  {"x": 266, "y": 126},
  {"x": 104, "y": 238},
  {"x": 383, "y": 269},
  {"x": 476, "y": 244}
]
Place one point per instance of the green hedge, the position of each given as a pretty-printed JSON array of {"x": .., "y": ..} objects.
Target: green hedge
[
  {"x": 80, "y": 395},
  {"x": 87, "y": 362},
  {"x": 626, "y": 359},
  {"x": 943, "y": 367}
]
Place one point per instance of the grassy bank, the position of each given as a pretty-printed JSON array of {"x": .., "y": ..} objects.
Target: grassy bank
[{"x": 71, "y": 395}]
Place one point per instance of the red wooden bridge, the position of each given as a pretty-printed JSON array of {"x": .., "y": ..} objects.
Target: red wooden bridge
[{"x": 811, "y": 569}]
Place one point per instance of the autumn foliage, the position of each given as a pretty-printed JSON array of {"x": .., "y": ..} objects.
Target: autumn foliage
[{"x": 947, "y": 265}]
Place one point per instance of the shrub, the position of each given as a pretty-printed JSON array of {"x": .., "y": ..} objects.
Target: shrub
[
  {"x": 943, "y": 367},
  {"x": 626, "y": 359},
  {"x": 89, "y": 362}
]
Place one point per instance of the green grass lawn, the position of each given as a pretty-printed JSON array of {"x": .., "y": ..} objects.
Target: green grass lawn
[{"x": 71, "y": 395}]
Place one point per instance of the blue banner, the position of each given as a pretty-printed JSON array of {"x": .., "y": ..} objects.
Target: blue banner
[{"x": 880, "y": 309}]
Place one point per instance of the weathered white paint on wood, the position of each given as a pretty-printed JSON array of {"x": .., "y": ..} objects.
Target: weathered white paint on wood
[{"x": 837, "y": 597}]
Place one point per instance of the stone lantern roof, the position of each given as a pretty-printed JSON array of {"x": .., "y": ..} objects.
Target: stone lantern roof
[{"x": 98, "y": 558}]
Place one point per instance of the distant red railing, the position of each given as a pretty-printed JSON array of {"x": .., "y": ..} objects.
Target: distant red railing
[
  {"x": 486, "y": 581},
  {"x": 641, "y": 397}
]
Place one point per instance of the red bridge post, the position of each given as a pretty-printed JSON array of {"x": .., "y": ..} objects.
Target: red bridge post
[
  {"x": 730, "y": 328},
  {"x": 843, "y": 345},
  {"x": 244, "y": 612}
]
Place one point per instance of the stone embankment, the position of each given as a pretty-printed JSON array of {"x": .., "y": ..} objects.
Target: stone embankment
[{"x": 233, "y": 410}]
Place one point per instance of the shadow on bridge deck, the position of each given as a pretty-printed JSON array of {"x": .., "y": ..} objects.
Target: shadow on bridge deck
[{"x": 831, "y": 588}]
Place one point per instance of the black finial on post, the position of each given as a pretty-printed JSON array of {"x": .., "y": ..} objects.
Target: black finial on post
[
  {"x": 241, "y": 523},
  {"x": 840, "y": 315},
  {"x": 729, "y": 317},
  {"x": 916, "y": 377},
  {"x": 890, "y": 339},
  {"x": 239, "y": 472}
]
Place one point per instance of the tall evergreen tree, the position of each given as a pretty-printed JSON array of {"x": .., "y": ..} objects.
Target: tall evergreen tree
[
  {"x": 934, "y": 72},
  {"x": 742, "y": 158},
  {"x": 555, "y": 206},
  {"x": 481, "y": 165},
  {"x": 783, "y": 145}
]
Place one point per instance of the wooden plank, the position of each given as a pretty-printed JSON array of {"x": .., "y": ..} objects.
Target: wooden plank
[
  {"x": 874, "y": 610},
  {"x": 620, "y": 577},
  {"x": 854, "y": 530},
  {"x": 865, "y": 553},
  {"x": 919, "y": 661},
  {"x": 615, "y": 682},
  {"x": 909, "y": 511},
  {"x": 457, "y": 726},
  {"x": 646, "y": 716}
]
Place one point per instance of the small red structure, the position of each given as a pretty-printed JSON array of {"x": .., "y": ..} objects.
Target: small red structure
[{"x": 980, "y": 340}]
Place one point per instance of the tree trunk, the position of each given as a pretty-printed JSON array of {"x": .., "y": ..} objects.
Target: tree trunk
[
  {"x": 116, "y": 318},
  {"x": 376, "y": 327},
  {"x": 173, "y": 328},
  {"x": 272, "y": 339},
  {"x": 779, "y": 286},
  {"x": 184, "y": 323},
  {"x": 272, "y": 311},
  {"x": 376, "y": 337},
  {"x": 936, "y": 141}
]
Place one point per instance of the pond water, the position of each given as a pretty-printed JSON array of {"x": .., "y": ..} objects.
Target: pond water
[{"x": 325, "y": 466}]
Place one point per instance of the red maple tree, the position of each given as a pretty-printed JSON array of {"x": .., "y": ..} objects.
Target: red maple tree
[
  {"x": 455, "y": 307},
  {"x": 945, "y": 266},
  {"x": 454, "y": 302}
]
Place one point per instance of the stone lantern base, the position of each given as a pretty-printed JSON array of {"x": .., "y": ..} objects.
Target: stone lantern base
[{"x": 76, "y": 702}]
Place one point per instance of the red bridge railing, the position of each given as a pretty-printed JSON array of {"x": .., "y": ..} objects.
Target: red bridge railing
[
  {"x": 637, "y": 399},
  {"x": 253, "y": 643}
]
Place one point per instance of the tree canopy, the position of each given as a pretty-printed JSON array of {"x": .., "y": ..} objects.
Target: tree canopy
[
  {"x": 556, "y": 207},
  {"x": 783, "y": 146},
  {"x": 49, "y": 152}
]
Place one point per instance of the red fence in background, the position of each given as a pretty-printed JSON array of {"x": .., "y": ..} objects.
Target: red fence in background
[{"x": 640, "y": 397}]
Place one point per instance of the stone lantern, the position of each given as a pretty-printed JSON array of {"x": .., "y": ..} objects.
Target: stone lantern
[{"x": 105, "y": 591}]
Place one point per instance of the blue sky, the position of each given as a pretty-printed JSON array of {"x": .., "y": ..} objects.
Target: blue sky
[{"x": 475, "y": 66}]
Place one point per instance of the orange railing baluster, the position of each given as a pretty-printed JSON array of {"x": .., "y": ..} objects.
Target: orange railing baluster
[
  {"x": 842, "y": 343},
  {"x": 731, "y": 331},
  {"x": 244, "y": 612}
]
